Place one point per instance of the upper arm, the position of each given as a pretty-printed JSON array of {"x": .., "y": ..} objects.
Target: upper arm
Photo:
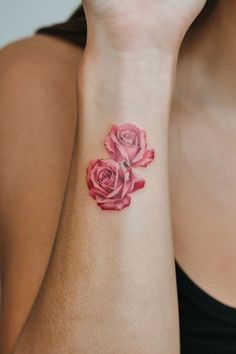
[{"x": 37, "y": 123}]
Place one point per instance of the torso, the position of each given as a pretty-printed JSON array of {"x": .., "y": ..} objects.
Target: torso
[{"x": 203, "y": 198}]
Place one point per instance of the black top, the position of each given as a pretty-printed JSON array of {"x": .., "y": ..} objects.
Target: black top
[{"x": 207, "y": 326}]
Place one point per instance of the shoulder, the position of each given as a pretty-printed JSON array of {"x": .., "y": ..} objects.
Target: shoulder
[
  {"x": 38, "y": 104},
  {"x": 39, "y": 59},
  {"x": 37, "y": 78},
  {"x": 37, "y": 124},
  {"x": 38, "y": 110}
]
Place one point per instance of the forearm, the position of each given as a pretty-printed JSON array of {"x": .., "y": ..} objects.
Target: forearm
[{"x": 110, "y": 285}]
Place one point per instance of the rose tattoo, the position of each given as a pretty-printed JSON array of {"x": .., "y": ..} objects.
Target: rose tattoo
[
  {"x": 111, "y": 180},
  {"x": 129, "y": 142}
]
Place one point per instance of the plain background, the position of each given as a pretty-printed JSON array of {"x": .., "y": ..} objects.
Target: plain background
[{"x": 20, "y": 18}]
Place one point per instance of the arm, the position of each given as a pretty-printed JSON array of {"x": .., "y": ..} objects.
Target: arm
[
  {"x": 36, "y": 142},
  {"x": 110, "y": 285}
]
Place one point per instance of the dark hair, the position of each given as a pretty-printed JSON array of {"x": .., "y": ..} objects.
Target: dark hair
[{"x": 206, "y": 11}]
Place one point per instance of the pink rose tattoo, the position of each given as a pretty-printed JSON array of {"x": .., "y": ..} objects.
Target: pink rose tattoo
[
  {"x": 129, "y": 143},
  {"x": 111, "y": 180}
]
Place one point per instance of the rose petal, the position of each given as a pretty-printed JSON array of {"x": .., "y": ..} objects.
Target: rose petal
[
  {"x": 118, "y": 205},
  {"x": 89, "y": 169},
  {"x": 137, "y": 183},
  {"x": 121, "y": 153},
  {"x": 113, "y": 145},
  {"x": 111, "y": 141},
  {"x": 131, "y": 151},
  {"x": 96, "y": 193},
  {"x": 114, "y": 192},
  {"x": 127, "y": 183},
  {"x": 110, "y": 146},
  {"x": 94, "y": 182},
  {"x": 103, "y": 198},
  {"x": 142, "y": 146},
  {"x": 95, "y": 167},
  {"x": 146, "y": 160},
  {"x": 128, "y": 136}
]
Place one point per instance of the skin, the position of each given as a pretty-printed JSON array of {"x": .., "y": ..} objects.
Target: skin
[
  {"x": 212, "y": 193},
  {"x": 203, "y": 181},
  {"x": 48, "y": 140},
  {"x": 110, "y": 287}
]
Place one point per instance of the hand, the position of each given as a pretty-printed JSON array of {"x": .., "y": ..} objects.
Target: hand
[{"x": 137, "y": 24}]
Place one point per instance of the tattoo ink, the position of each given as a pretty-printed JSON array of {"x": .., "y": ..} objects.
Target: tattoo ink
[{"x": 113, "y": 179}]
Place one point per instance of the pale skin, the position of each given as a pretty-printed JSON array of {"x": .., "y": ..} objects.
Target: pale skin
[{"x": 212, "y": 201}]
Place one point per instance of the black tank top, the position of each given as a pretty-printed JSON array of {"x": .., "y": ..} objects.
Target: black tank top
[{"x": 207, "y": 326}]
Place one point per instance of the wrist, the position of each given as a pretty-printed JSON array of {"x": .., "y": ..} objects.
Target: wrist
[
  {"x": 131, "y": 27},
  {"x": 127, "y": 83},
  {"x": 132, "y": 40}
]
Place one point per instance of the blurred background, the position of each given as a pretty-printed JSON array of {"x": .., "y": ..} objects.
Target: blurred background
[{"x": 20, "y": 18}]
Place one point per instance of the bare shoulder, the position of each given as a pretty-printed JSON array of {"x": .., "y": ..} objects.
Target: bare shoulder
[
  {"x": 38, "y": 112},
  {"x": 39, "y": 49},
  {"x": 41, "y": 58},
  {"x": 41, "y": 70},
  {"x": 37, "y": 93}
]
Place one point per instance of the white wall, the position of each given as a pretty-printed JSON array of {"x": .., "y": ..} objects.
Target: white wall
[{"x": 20, "y": 18}]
